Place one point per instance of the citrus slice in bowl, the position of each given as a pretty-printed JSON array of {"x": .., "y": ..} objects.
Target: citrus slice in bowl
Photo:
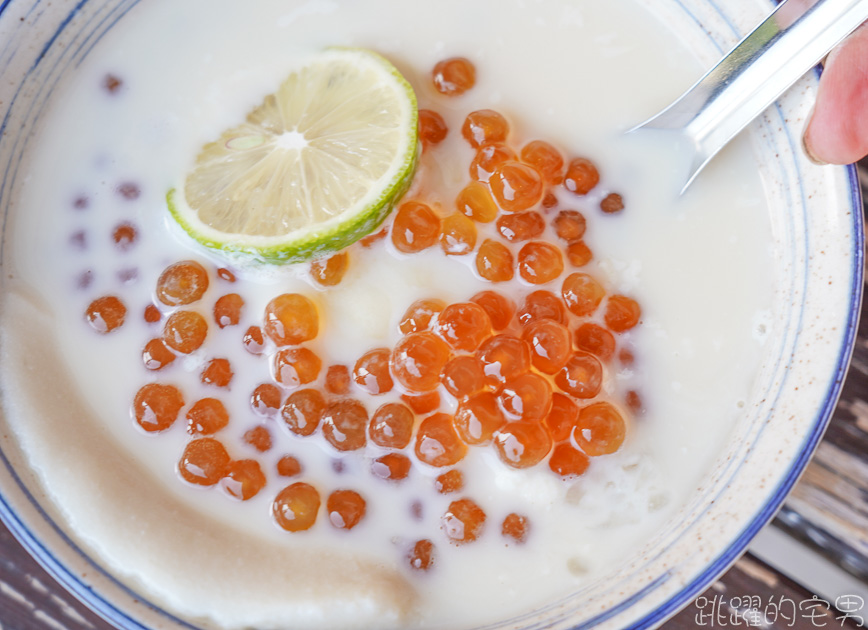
[{"x": 316, "y": 166}]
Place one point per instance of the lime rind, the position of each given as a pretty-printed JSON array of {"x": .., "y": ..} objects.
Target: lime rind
[{"x": 338, "y": 231}]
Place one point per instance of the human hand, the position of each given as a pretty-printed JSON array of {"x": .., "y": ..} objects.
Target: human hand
[{"x": 837, "y": 131}]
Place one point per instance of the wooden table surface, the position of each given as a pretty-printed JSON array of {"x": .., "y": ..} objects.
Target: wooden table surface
[{"x": 827, "y": 511}]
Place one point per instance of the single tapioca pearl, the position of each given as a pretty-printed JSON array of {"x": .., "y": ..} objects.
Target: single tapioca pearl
[
  {"x": 254, "y": 340},
  {"x": 291, "y": 319},
  {"x": 79, "y": 240},
  {"x": 516, "y": 527},
  {"x": 417, "y": 510},
  {"x": 421, "y": 556},
  {"x": 391, "y": 426},
  {"x": 600, "y": 430},
  {"x": 438, "y": 443},
  {"x": 156, "y": 355},
  {"x": 463, "y": 521},
  {"x": 329, "y": 272},
  {"x": 182, "y": 283},
  {"x": 244, "y": 479},
  {"x": 204, "y": 462},
  {"x": 416, "y": 227},
  {"x": 295, "y": 508},
  {"x": 152, "y": 314},
  {"x": 521, "y": 226},
  {"x": 156, "y": 406},
  {"x": 217, "y": 372},
  {"x": 449, "y": 482},
  {"x": 542, "y": 305},
  {"x": 296, "y": 366},
  {"x": 128, "y": 276},
  {"x": 419, "y": 315},
  {"x": 499, "y": 308},
  {"x": 622, "y": 313},
  {"x": 422, "y": 403},
  {"x": 567, "y": 461},
  {"x": 303, "y": 411},
  {"x": 185, "y": 331},
  {"x": 224, "y": 274},
  {"x": 523, "y": 444},
  {"x": 337, "y": 380},
  {"x": 634, "y": 401},
  {"x": 546, "y": 159},
  {"x": 112, "y": 83},
  {"x": 227, "y": 310},
  {"x": 288, "y": 466},
  {"x": 81, "y": 202},
  {"x": 338, "y": 466},
  {"x": 259, "y": 437},
  {"x": 206, "y": 417},
  {"x": 265, "y": 400},
  {"x": 454, "y": 76},
  {"x": 124, "y": 236},
  {"x": 582, "y": 376},
  {"x": 391, "y": 467},
  {"x": 371, "y": 239},
  {"x": 612, "y": 203},
  {"x": 432, "y": 128},
  {"x": 485, "y": 126},
  {"x": 344, "y": 424},
  {"x": 129, "y": 191},
  {"x": 105, "y": 314},
  {"x": 549, "y": 201},
  {"x": 570, "y": 225},
  {"x": 345, "y": 508},
  {"x": 371, "y": 372},
  {"x": 85, "y": 279},
  {"x": 595, "y": 339}
]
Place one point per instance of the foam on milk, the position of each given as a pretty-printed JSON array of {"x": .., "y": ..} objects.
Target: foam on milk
[{"x": 575, "y": 73}]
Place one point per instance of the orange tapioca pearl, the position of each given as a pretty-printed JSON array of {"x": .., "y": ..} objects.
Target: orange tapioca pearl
[
  {"x": 204, "y": 462},
  {"x": 371, "y": 239},
  {"x": 344, "y": 424},
  {"x": 463, "y": 521},
  {"x": 611, "y": 203},
  {"x": 225, "y": 274},
  {"x": 550, "y": 345},
  {"x": 516, "y": 527},
  {"x": 526, "y": 397},
  {"x": 185, "y": 331},
  {"x": 579, "y": 254},
  {"x": 566, "y": 461},
  {"x": 485, "y": 126},
  {"x": 437, "y": 441},
  {"x": 419, "y": 315},
  {"x": 520, "y": 226},
  {"x": 183, "y": 283},
  {"x": 622, "y": 313},
  {"x": 106, "y": 314},
  {"x": 541, "y": 305},
  {"x": 503, "y": 357},
  {"x": 371, "y": 372},
  {"x": 432, "y": 128},
  {"x": 295, "y": 507},
  {"x": 500, "y": 309},
  {"x": 156, "y": 355},
  {"x": 391, "y": 426},
  {"x": 562, "y": 418},
  {"x": 259, "y": 437},
  {"x": 596, "y": 340},
  {"x": 454, "y": 76},
  {"x": 346, "y": 508},
  {"x": 516, "y": 187},
  {"x": 124, "y": 236},
  {"x": 418, "y": 359},
  {"x": 391, "y": 466},
  {"x": 244, "y": 479},
  {"x": 494, "y": 262},
  {"x": 291, "y": 319},
  {"x": 296, "y": 366},
  {"x": 582, "y": 376},
  {"x": 449, "y": 482},
  {"x": 421, "y": 556},
  {"x": 152, "y": 314},
  {"x": 288, "y": 466},
  {"x": 303, "y": 411},
  {"x": 464, "y": 376},
  {"x": 416, "y": 227},
  {"x": 478, "y": 418},
  {"x": 523, "y": 444},
  {"x": 600, "y": 430},
  {"x": 486, "y": 161},
  {"x": 156, "y": 406},
  {"x": 422, "y": 403},
  {"x": 549, "y": 201},
  {"x": 634, "y": 401},
  {"x": 582, "y": 294},
  {"x": 569, "y": 225},
  {"x": 457, "y": 235},
  {"x": 254, "y": 340},
  {"x": 475, "y": 201},
  {"x": 217, "y": 372},
  {"x": 581, "y": 176},
  {"x": 329, "y": 272},
  {"x": 544, "y": 158},
  {"x": 463, "y": 326},
  {"x": 206, "y": 417},
  {"x": 337, "y": 380},
  {"x": 227, "y": 310},
  {"x": 540, "y": 262},
  {"x": 265, "y": 399}
]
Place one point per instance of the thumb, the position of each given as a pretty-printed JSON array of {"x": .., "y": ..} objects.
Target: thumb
[{"x": 837, "y": 131}]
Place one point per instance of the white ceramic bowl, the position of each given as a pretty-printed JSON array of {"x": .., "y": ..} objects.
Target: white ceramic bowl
[{"x": 816, "y": 216}]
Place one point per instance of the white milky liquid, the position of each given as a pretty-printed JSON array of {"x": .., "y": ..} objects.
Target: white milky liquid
[{"x": 574, "y": 73}]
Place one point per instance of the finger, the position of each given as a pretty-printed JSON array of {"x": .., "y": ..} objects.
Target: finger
[{"x": 837, "y": 132}]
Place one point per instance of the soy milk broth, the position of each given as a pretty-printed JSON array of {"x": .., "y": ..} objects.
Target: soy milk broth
[{"x": 574, "y": 73}]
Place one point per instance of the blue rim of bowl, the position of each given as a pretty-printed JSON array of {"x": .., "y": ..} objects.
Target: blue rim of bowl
[{"x": 112, "y": 614}]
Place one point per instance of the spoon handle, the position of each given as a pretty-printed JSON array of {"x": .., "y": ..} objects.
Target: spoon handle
[{"x": 792, "y": 40}]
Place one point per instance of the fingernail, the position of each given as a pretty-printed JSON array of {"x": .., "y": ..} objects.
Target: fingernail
[{"x": 806, "y": 145}]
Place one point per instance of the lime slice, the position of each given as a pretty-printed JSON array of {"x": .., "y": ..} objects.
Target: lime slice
[{"x": 317, "y": 166}]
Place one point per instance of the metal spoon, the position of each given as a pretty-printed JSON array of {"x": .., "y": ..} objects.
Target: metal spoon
[{"x": 791, "y": 41}]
